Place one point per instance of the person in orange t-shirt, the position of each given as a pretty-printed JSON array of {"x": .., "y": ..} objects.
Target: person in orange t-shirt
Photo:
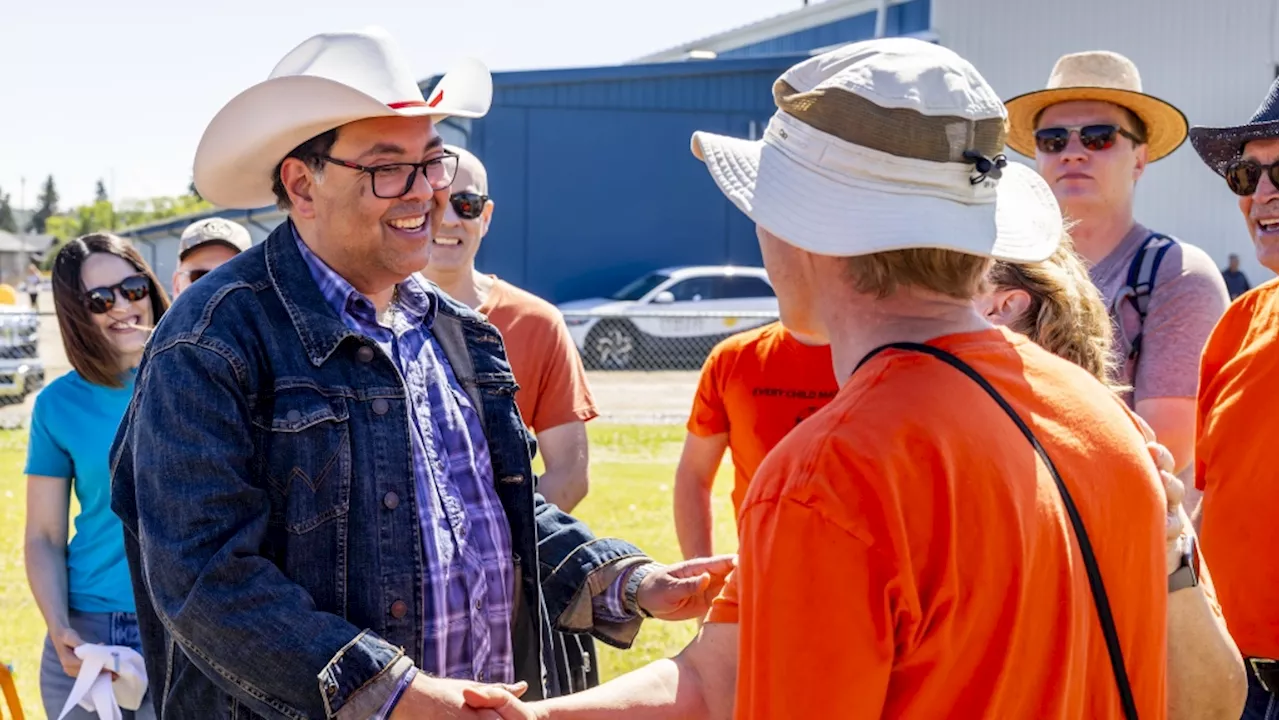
[
  {"x": 905, "y": 552},
  {"x": 755, "y": 387},
  {"x": 554, "y": 399},
  {"x": 1238, "y": 414}
]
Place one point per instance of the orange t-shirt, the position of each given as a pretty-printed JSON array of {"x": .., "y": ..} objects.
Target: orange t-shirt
[
  {"x": 756, "y": 386},
  {"x": 1238, "y": 468},
  {"x": 553, "y": 384},
  {"x": 907, "y": 548}
]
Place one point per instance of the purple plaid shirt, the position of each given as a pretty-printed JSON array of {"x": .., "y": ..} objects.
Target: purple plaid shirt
[{"x": 469, "y": 581}]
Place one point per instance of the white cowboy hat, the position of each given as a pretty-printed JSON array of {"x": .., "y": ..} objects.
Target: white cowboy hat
[
  {"x": 327, "y": 81},
  {"x": 886, "y": 145},
  {"x": 1103, "y": 76}
]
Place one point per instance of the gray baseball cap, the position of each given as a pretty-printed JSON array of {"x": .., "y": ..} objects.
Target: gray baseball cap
[{"x": 214, "y": 230}]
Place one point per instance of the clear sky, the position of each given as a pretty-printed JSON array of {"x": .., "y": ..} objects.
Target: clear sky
[{"x": 122, "y": 90}]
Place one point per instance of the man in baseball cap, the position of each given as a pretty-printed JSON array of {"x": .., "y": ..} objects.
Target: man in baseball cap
[
  {"x": 205, "y": 245},
  {"x": 348, "y": 527},
  {"x": 910, "y": 549}
]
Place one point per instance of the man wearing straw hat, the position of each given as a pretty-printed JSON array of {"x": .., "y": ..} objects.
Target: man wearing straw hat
[
  {"x": 348, "y": 527},
  {"x": 1238, "y": 420},
  {"x": 1092, "y": 132},
  {"x": 910, "y": 549}
]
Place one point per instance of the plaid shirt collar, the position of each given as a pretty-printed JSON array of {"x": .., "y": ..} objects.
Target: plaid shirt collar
[{"x": 414, "y": 297}]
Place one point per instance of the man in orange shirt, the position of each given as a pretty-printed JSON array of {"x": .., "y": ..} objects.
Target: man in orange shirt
[
  {"x": 553, "y": 398},
  {"x": 907, "y": 551},
  {"x": 754, "y": 388},
  {"x": 1238, "y": 414}
]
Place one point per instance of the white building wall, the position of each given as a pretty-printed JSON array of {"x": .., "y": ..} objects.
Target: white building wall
[{"x": 1214, "y": 59}]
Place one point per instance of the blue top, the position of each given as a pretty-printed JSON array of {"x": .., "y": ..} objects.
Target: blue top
[{"x": 72, "y": 428}]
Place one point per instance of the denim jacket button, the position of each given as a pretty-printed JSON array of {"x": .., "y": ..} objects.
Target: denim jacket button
[
  {"x": 399, "y": 609},
  {"x": 364, "y": 354},
  {"x": 293, "y": 416},
  {"x": 380, "y": 406},
  {"x": 391, "y": 501}
]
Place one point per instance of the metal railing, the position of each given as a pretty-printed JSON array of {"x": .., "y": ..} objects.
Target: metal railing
[{"x": 651, "y": 339}]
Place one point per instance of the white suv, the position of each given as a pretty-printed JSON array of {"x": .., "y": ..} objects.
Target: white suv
[{"x": 670, "y": 317}]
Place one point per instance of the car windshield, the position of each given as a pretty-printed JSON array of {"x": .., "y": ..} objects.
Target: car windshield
[{"x": 640, "y": 288}]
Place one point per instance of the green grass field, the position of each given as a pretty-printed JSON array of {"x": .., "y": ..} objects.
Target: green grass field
[{"x": 632, "y": 470}]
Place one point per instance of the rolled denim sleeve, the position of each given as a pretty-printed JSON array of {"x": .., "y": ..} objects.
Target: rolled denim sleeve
[
  {"x": 201, "y": 520},
  {"x": 577, "y": 571}
]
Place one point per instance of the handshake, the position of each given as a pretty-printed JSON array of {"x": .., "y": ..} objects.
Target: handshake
[{"x": 682, "y": 591}]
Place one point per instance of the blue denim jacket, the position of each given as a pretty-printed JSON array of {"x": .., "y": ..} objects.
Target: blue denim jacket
[{"x": 263, "y": 477}]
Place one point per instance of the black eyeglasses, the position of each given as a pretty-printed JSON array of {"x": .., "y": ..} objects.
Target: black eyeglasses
[
  {"x": 394, "y": 180},
  {"x": 1243, "y": 175},
  {"x": 468, "y": 205},
  {"x": 134, "y": 288},
  {"x": 1053, "y": 140}
]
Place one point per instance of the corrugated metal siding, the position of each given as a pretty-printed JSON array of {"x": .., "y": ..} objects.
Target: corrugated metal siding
[
  {"x": 1214, "y": 60},
  {"x": 592, "y": 179},
  {"x": 901, "y": 19}
]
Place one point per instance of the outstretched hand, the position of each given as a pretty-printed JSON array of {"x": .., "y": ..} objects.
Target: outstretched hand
[{"x": 685, "y": 590}]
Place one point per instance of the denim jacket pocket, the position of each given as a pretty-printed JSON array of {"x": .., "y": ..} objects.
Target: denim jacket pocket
[{"x": 307, "y": 451}]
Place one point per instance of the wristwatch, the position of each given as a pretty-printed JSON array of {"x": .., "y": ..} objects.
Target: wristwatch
[
  {"x": 1188, "y": 573},
  {"x": 631, "y": 591}
]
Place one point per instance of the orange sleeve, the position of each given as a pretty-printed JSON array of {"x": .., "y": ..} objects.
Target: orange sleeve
[
  {"x": 816, "y": 626},
  {"x": 708, "y": 416},
  {"x": 724, "y": 609},
  {"x": 1210, "y": 364},
  {"x": 565, "y": 395}
]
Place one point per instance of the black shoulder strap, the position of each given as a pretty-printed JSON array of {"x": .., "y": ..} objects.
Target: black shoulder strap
[
  {"x": 1141, "y": 282},
  {"x": 1082, "y": 538}
]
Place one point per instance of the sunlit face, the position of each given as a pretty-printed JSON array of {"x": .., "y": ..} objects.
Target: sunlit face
[
  {"x": 1086, "y": 181},
  {"x": 793, "y": 283},
  {"x": 120, "y": 323},
  {"x": 458, "y": 239},
  {"x": 200, "y": 262},
  {"x": 375, "y": 242},
  {"x": 1260, "y": 208}
]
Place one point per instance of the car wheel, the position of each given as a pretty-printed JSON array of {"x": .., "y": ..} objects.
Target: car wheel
[{"x": 613, "y": 345}]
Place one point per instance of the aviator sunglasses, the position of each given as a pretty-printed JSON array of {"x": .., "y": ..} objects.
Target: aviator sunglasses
[
  {"x": 1243, "y": 175},
  {"x": 134, "y": 288},
  {"x": 468, "y": 205},
  {"x": 1053, "y": 140}
]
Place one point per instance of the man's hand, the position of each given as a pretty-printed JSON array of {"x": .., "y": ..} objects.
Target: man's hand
[
  {"x": 684, "y": 590},
  {"x": 491, "y": 702},
  {"x": 443, "y": 699},
  {"x": 1175, "y": 520}
]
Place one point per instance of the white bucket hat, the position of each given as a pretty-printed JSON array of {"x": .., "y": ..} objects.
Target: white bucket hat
[
  {"x": 883, "y": 145},
  {"x": 328, "y": 81}
]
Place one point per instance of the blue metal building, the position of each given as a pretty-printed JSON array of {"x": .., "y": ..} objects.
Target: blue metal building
[{"x": 590, "y": 169}]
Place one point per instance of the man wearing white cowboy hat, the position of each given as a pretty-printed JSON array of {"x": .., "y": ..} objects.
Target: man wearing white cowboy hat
[
  {"x": 1092, "y": 132},
  {"x": 906, "y": 551},
  {"x": 1238, "y": 418},
  {"x": 348, "y": 528}
]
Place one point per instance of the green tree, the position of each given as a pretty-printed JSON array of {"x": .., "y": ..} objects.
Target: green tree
[
  {"x": 100, "y": 194},
  {"x": 7, "y": 222},
  {"x": 48, "y": 206}
]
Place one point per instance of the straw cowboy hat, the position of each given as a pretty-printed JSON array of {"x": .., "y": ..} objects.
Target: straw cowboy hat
[
  {"x": 327, "y": 81},
  {"x": 1103, "y": 76},
  {"x": 886, "y": 145},
  {"x": 1218, "y": 146}
]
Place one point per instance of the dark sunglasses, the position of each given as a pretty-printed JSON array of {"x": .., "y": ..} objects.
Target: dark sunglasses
[
  {"x": 100, "y": 300},
  {"x": 1053, "y": 140},
  {"x": 468, "y": 205},
  {"x": 194, "y": 275},
  {"x": 1243, "y": 175}
]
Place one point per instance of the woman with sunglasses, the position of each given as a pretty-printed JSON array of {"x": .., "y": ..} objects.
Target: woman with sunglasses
[{"x": 107, "y": 299}]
